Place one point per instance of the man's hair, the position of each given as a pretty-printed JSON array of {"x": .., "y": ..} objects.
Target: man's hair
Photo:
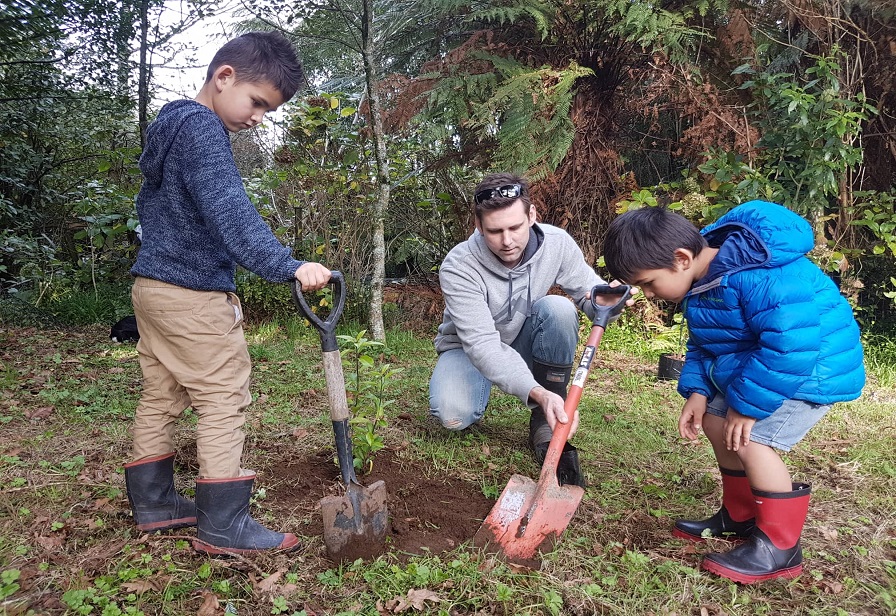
[
  {"x": 496, "y": 201},
  {"x": 262, "y": 56},
  {"x": 646, "y": 239}
]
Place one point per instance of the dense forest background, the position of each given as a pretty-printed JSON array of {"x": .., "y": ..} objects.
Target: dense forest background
[{"x": 604, "y": 104}]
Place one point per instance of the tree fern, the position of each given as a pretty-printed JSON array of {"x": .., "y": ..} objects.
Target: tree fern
[
  {"x": 658, "y": 29},
  {"x": 539, "y": 12}
]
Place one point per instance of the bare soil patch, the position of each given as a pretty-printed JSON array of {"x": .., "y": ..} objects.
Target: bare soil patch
[{"x": 425, "y": 514}]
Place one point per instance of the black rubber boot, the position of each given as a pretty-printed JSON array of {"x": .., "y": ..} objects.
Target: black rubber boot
[
  {"x": 222, "y": 507},
  {"x": 735, "y": 520},
  {"x": 556, "y": 380},
  {"x": 154, "y": 502},
  {"x": 773, "y": 550}
]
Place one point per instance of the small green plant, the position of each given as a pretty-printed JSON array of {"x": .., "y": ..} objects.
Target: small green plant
[
  {"x": 669, "y": 338},
  {"x": 9, "y": 582},
  {"x": 367, "y": 385}
]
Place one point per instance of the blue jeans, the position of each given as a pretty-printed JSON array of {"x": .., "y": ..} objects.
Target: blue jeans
[{"x": 458, "y": 393}]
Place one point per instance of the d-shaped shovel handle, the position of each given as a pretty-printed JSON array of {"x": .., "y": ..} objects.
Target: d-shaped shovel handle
[
  {"x": 603, "y": 313},
  {"x": 325, "y": 327}
]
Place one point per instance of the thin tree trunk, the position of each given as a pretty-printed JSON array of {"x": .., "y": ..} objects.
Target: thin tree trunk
[
  {"x": 143, "y": 74},
  {"x": 382, "y": 173}
]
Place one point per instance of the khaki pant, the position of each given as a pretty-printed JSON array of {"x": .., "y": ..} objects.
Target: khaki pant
[{"x": 192, "y": 353}]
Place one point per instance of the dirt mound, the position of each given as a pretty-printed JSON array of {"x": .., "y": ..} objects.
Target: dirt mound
[{"x": 426, "y": 514}]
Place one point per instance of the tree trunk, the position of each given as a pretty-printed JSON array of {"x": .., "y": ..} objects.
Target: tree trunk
[
  {"x": 143, "y": 74},
  {"x": 383, "y": 187}
]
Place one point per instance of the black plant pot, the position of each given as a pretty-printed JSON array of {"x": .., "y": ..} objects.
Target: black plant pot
[{"x": 670, "y": 367}]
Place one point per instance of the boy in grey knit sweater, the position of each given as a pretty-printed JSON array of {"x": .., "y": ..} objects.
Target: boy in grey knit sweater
[{"x": 198, "y": 224}]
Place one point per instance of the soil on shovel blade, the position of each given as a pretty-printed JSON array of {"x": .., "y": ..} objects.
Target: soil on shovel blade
[{"x": 426, "y": 514}]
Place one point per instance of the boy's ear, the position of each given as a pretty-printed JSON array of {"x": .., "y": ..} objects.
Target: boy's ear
[
  {"x": 223, "y": 75},
  {"x": 684, "y": 258}
]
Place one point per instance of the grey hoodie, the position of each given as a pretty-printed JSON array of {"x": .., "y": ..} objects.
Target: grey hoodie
[
  {"x": 197, "y": 221},
  {"x": 486, "y": 303}
]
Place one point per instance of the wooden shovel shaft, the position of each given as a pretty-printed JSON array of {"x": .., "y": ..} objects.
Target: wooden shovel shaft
[{"x": 335, "y": 385}]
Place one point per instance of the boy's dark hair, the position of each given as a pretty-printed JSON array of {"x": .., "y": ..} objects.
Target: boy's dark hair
[
  {"x": 498, "y": 191},
  {"x": 646, "y": 239},
  {"x": 262, "y": 56}
]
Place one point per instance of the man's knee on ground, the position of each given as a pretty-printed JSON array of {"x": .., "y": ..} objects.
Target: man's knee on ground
[{"x": 453, "y": 422}]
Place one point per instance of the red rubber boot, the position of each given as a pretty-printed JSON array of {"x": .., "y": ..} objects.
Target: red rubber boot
[
  {"x": 736, "y": 518},
  {"x": 773, "y": 550}
]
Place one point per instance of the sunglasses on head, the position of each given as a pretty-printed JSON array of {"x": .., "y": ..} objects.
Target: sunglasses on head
[{"x": 508, "y": 191}]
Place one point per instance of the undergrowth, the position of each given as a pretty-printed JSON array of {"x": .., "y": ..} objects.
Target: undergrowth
[{"x": 67, "y": 545}]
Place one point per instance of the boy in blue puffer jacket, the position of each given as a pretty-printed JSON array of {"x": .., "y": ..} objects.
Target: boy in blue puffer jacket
[{"x": 772, "y": 344}]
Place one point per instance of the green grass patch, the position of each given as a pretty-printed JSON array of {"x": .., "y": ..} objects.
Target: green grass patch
[{"x": 67, "y": 544}]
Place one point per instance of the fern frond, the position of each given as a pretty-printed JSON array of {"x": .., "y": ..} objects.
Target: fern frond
[{"x": 539, "y": 12}]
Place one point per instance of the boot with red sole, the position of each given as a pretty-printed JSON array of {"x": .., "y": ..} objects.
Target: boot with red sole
[
  {"x": 155, "y": 503},
  {"x": 224, "y": 523},
  {"x": 773, "y": 550},
  {"x": 736, "y": 518}
]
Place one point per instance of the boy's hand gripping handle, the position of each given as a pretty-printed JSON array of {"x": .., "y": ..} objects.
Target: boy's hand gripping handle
[{"x": 326, "y": 327}]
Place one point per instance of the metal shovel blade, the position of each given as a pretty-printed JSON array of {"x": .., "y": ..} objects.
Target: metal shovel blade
[
  {"x": 525, "y": 521},
  {"x": 355, "y": 524}
]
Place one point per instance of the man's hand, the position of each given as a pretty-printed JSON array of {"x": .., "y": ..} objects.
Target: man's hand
[
  {"x": 737, "y": 430},
  {"x": 313, "y": 276},
  {"x": 691, "y": 421},
  {"x": 552, "y": 404}
]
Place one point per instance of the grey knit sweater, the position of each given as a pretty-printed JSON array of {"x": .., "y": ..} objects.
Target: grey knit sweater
[{"x": 196, "y": 217}]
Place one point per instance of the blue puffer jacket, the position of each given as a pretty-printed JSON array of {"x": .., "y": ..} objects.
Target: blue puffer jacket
[{"x": 765, "y": 323}]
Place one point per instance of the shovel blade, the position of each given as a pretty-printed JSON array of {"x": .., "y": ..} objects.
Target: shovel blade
[
  {"x": 355, "y": 524},
  {"x": 525, "y": 522}
]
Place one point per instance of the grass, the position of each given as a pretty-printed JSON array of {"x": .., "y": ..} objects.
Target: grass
[{"x": 66, "y": 547}]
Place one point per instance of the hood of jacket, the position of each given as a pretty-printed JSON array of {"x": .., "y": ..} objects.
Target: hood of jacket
[
  {"x": 163, "y": 131},
  {"x": 755, "y": 234},
  {"x": 495, "y": 267}
]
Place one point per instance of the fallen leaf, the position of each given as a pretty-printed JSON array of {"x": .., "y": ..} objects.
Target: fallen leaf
[
  {"x": 39, "y": 413},
  {"x": 830, "y": 534},
  {"x": 418, "y": 598},
  {"x": 210, "y": 605},
  {"x": 103, "y": 504},
  {"x": 267, "y": 584},
  {"x": 104, "y": 551},
  {"x": 299, "y": 433},
  {"x": 833, "y": 588},
  {"x": 396, "y": 605},
  {"x": 314, "y": 609},
  {"x": 139, "y": 587},
  {"x": 53, "y": 542}
]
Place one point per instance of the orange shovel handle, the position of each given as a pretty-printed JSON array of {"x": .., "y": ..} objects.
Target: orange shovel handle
[
  {"x": 602, "y": 315},
  {"x": 561, "y": 430}
]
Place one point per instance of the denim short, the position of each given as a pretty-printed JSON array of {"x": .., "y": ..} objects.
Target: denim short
[{"x": 782, "y": 429}]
